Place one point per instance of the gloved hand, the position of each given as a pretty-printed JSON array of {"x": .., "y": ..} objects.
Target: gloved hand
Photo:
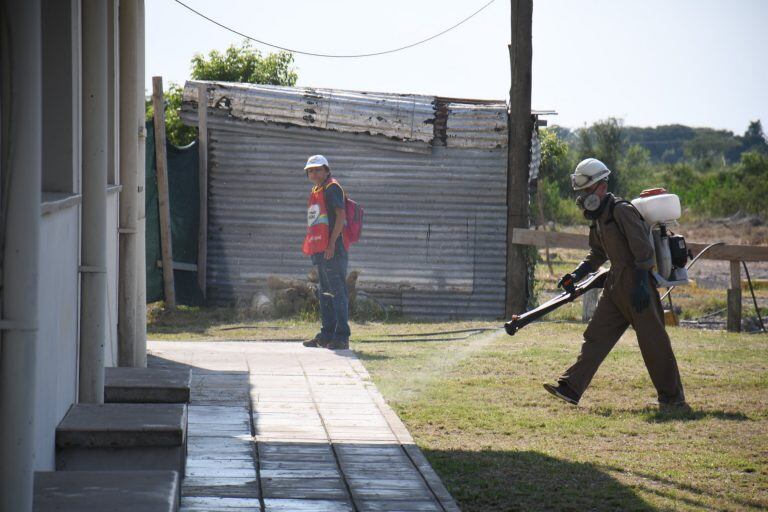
[
  {"x": 568, "y": 281},
  {"x": 641, "y": 293}
]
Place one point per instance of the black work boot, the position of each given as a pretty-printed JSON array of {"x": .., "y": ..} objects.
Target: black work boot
[
  {"x": 318, "y": 341},
  {"x": 338, "y": 345},
  {"x": 563, "y": 392}
]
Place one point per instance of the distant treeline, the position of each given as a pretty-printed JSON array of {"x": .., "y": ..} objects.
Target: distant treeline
[
  {"x": 676, "y": 143},
  {"x": 715, "y": 172}
]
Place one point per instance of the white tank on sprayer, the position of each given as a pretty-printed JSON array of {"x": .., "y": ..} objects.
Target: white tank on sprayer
[{"x": 661, "y": 209}]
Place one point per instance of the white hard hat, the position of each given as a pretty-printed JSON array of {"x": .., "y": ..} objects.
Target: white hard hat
[
  {"x": 317, "y": 161},
  {"x": 589, "y": 172}
]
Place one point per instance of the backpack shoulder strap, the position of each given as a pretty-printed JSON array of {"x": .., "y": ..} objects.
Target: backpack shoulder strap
[
  {"x": 333, "y": 181},
  {"x": 613, "y": 207}
]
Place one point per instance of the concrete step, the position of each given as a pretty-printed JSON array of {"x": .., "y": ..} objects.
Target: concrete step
[
  {"x": 146, "y": 385},
  {"x": 97, "y": 491},
  {"x": 109, "y": 437}
]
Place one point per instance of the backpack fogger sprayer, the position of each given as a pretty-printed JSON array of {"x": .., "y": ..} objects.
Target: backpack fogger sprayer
[{"x": 659, "y": 210}]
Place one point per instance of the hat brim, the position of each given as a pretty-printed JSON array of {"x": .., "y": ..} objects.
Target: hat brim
[{"x": 314, "y": 166}]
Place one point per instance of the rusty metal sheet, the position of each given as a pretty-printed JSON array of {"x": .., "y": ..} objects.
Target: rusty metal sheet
[{"x": 434, "y": 240}]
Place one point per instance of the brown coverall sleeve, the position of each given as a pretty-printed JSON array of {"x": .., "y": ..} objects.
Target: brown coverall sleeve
[
  {"x": 636, "y": 231},
  {"x": 596, "y": 256}
]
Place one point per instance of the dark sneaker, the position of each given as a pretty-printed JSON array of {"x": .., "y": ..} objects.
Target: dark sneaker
[
  {"x": 338, "y": 345},
  {"x": 317, "y": 341},
  {"x": 563, "y": 392}
]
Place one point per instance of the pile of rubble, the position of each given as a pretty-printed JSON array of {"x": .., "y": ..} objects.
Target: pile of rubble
[{"x": 289, "y": 297}]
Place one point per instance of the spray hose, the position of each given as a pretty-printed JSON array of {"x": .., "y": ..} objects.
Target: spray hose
[
  {"x": 746, "y": 271},
  {"x": 687, "y": 267}
]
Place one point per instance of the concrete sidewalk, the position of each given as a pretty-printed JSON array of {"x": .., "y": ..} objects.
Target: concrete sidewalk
[{"x": 280, "y": 427}]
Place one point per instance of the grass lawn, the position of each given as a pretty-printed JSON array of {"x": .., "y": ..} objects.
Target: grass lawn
[
  {"x": 476, "y": 407},
  {"x": 500, "y": 442}
]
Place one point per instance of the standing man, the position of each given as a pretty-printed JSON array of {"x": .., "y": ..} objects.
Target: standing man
[
  {"x": 618, "y": 233},
  {"x": 328, "y": 249}
]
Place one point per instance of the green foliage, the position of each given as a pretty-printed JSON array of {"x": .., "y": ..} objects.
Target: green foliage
[
  {"x": 710, "y": 147},
  {"x": 604, "y": 140},
  {"x": 665, "y": 143},
  {"x": 630, "y": 163},
  {"x": 244, "y": 64},
  {"x": 722, "y": 191},
  {"x": 237, "y": 64},
  {"x": 702, "y": 175},
  {"x": 754, "y": 139},
  {"x": 676, "y": 143},
  {"x": 557, "y": 207},
  {"x": 556, "y": 160},
  {"x": 177, "y": 132},
  {"x": 554, "y": 199}
]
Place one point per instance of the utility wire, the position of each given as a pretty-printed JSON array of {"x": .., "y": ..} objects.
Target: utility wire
[{"x": 329, "y": 55}]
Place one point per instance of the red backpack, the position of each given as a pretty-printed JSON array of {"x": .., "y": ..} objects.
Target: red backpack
[{"x": 354, "y": 226}]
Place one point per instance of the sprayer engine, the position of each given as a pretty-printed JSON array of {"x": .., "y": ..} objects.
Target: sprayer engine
[{"x": 660, "y": 210}]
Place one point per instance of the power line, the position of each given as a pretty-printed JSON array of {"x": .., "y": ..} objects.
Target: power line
[{"x": 334, "y": 56}]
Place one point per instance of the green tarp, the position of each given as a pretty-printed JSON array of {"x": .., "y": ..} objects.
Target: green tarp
[{"x": 185, "y": 214}]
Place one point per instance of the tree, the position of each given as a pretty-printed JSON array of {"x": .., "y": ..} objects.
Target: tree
[
  {"x": 244, "y": 64},
  {"x": 554, "y": 200},
  {"x": 635, "y": 171},
  {"x": 754, "y": 138},
  {"x": 237, "y": 64},
  {"x": 556, "y": 165},
  {"x": 176, "y": 131},
  {"x": 604, "y": 140},
  {"x": 711, "y": 147}
]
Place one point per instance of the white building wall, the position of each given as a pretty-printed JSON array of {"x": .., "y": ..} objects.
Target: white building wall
[{"x": 58, "y": 335}]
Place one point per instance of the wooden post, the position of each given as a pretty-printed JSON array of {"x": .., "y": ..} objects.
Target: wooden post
[
  {"x": 518, "y": 153},
  {"x": 202, "y": 233},
  {"x": 734, "y": 298},
  {"x": 161, "y": 162}
]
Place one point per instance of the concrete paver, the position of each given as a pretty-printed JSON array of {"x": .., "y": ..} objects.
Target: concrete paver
[{"x": 279, "y": 427}]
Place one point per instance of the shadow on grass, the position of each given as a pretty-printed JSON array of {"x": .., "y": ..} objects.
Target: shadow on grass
[
  {"x": 363, "y": 356},
  {"x": 656, "y": 415},
  {"x": 528, "y": 481},
  {"x": 666, "y": 416},
  {"x": 662, "y": 486}
]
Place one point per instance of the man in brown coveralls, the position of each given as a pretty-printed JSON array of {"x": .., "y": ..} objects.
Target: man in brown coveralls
[{"x": 618, "y": 233}]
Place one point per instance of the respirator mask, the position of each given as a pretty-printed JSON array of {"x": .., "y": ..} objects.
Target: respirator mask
[{"x": 591, "y": 204}]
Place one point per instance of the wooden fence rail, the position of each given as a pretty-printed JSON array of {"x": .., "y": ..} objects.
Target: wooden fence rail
[{"x": 735, "y": 254}]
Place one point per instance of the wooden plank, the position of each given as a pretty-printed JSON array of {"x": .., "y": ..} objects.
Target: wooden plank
[
  {"x": 161, "y": 163},
  {"x": 202, "y": 234},
  {"x": 733, "y": 323},
  {"x": 732, "y": 252},
  {"x": 550, "y": 239},
  {"x": 178, "y": 265},
  {"x": 578, "y": 241}
]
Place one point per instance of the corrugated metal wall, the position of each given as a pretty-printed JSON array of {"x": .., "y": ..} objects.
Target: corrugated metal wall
[{"x": 434, "y": 237}]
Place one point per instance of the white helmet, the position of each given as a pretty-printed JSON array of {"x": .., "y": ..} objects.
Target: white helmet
[{"x": 589, "y": 172}]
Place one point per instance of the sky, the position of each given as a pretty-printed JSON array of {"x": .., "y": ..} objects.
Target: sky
[{"x": 650, "y": 62}]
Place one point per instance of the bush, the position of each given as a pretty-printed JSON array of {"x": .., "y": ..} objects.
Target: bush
[{"x": 707, "y": 184}]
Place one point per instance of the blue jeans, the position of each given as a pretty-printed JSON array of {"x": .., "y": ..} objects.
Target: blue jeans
[{"x": 333, "y": 296}]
